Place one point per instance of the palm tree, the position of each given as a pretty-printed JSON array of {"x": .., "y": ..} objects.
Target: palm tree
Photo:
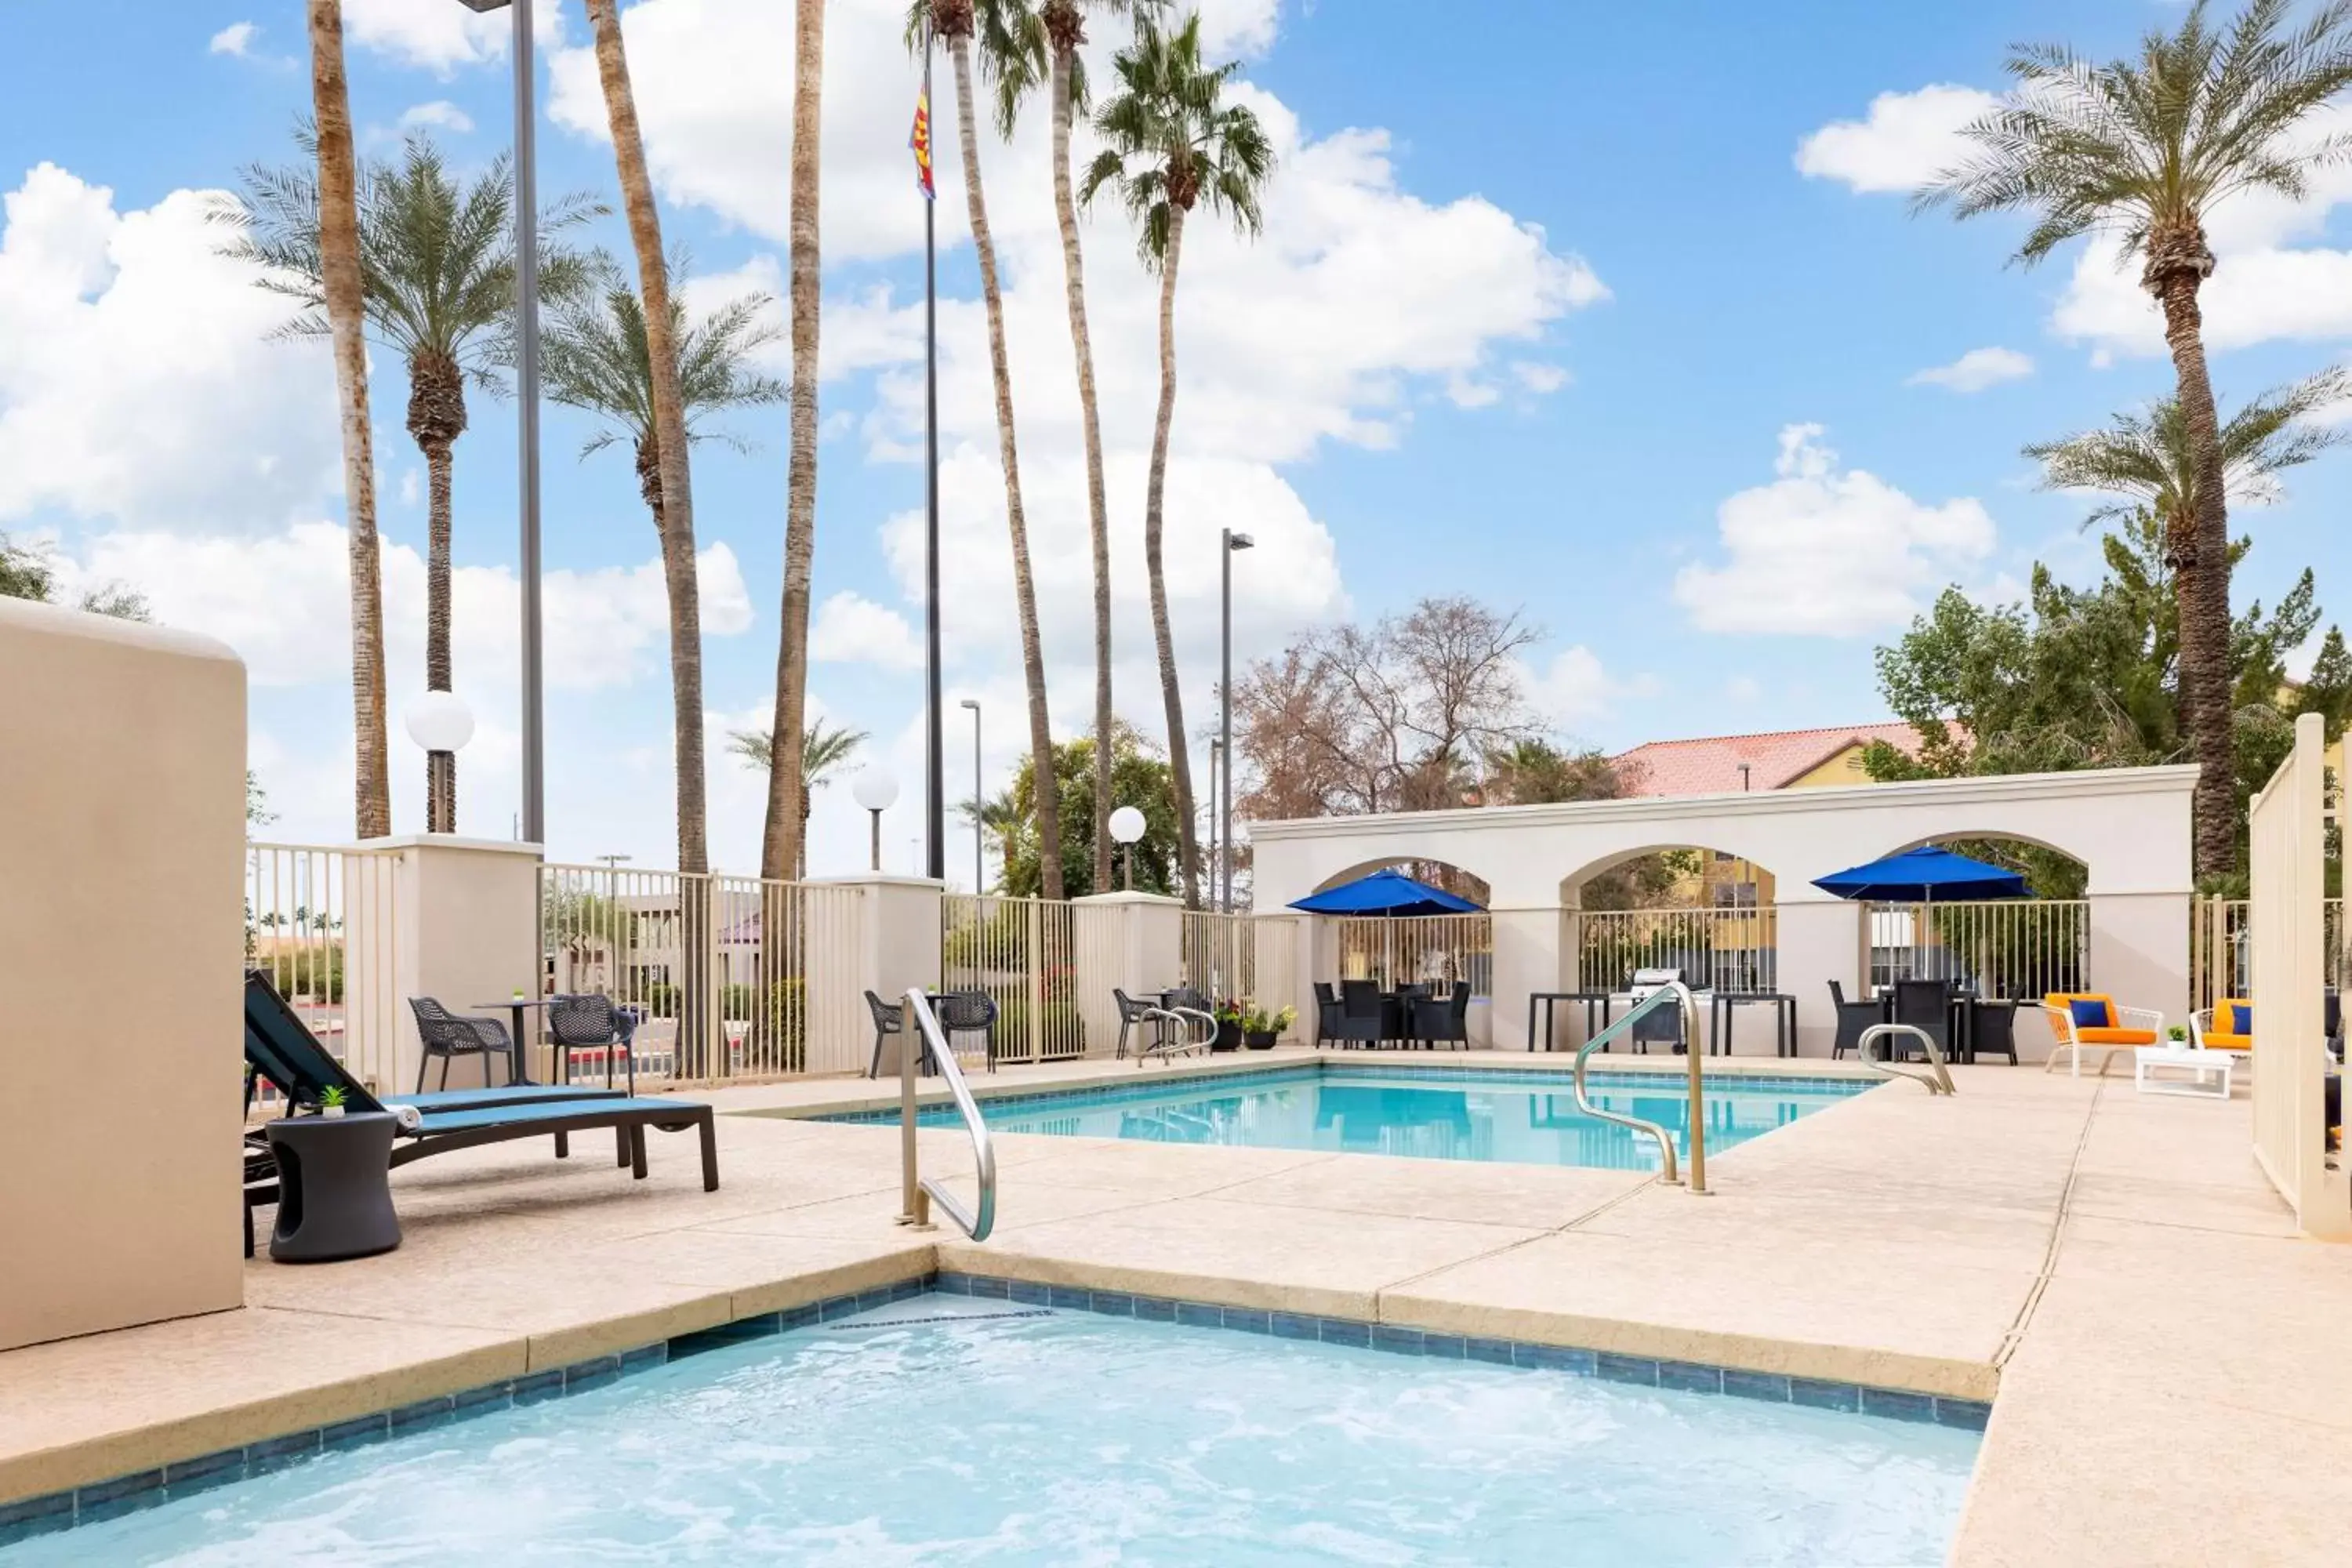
[
  {"x": 2144, "y": 149},
  {"x": 954, "y": 21},
  {"x": 345, "y": 293},
  {"x": 780, "y": 850},
  {"x": 824, "y": 753},
  {"x": 1023, "y": 47},
  {"x": 1173, "y": 143},
  {"x": 666, "y": 408},
  {"x": 438, "y": 260}
]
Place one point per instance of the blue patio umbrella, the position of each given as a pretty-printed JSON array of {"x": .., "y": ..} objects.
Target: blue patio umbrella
[
  {"x": 1387, "y": 892},
  {"x": 1922, "y": 876}
]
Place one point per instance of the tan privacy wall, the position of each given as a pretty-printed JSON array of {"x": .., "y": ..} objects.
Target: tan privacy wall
[{"x": 122, "y": 837}]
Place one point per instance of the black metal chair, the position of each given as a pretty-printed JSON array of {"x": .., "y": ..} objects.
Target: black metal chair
[
  {"x": 447, "y": 1035},
  {"x": 590, "y": 1023},
  {"x": 1443, "y": 1020},
  {"x": 969, "y": 1012},
  {"x": 1132, "y": 1012},
  {"x": 1327, "y": 1011},
  {"x": 1366, "y": 1016},
  {"x": 890, "y": 1018},
  {"x": 1852, "y": 1018},
  {"x": 1992, "y": 1030},
  {"x": 1925, "y": 1006}
]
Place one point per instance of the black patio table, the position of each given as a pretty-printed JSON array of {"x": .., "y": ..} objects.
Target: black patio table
[
  {"x": 1784, "y": 1020},
  {"x": 520, "y": 1071},
  {"x": 1960, "y": 1007},
  {"x": 1588, "y": 1000}
]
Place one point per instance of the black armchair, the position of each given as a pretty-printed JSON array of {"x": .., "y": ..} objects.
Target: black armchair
[
  {"x": 890, "y": 1018},
  {"x": 1327, "y": 1011},
  {"x": 445, "y": 1035},
  {"x": 1993, "y": 1032},
  {"x": 1366, "y": 1017},
  {"x": 1925, "y": 1006},
  {"x": 969, "y": 1012},
  {"x": 1445, "y": 1019},
  {"x": 592, "y": 1023},
  {"x": 1852, "y": 1018}
]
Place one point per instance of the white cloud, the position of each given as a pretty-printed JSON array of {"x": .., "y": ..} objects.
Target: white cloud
[
  {"x": 1906, "y": 140},
  {"x": 1237, "y": 26},
  {"x": 135, "y": 374},
  {"x": 850, "y": 628},
  {"x": 439, "y": 115},
  {"x": 1975, "y": 370},
  {"x": 442, "y": 34},
  {"x": 1573, "y": 689},
  {"x": 1829, "y": 552},
  {"x": 237, "y": 38},
  {"x": 1539, "y": 379}
]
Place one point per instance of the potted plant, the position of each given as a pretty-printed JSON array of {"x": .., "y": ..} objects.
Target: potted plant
[
  {"x": 2177, "y": 1037},
  {"x": 1261, "y": 1029},
  {"x": 332, "y": 1100},
  {"x": 1229, "y": 1026}
]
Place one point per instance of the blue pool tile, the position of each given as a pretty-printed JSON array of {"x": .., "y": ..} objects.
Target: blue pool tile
[
  {"x": 489, "y": 1396},
  {"x": 1771, "y": 1386},
  {"x": 1824, "y": 1395},
  {"x": 995, "y": 1290},
  {"x": 123, "y": 1494},
  {"x": 1152, "y": 1309},
  {"x": 1897, "y": 1405},
  {"x": 355, "y": 1433},
  {"x": 799, "y": 1317},
  {"x": 1444, "y": 1347},
  {"x": 1111, "y": 1303},
  {"x": 1290, "y": 1326},
  {"x": 644, "y": 1356},
  {"x": 1625, "y": 1369},
  {"x": 423, "y": 1414},
  {"x": 35, "y": 1516},
  {"x": 1029, "y": 1292},
  {"x": 581, "y": 1376},
  {"x": 1496, "y": 1351},
  {"x": 276, "y": 1452},
  {"x": 1554, "y": 1358},
  {"x": 1395, "y": 1337},
  {"x": 1200, "y": 1315},
  {"x": 1065, "y": 1296},
  {"x": 1249, "y": 1320},
  {"x": 1340, "y": 1332},
  {"x": 1968, "y": 1414},
  {"x": 834, "y": 1307},
  {"x": 1690, "y": 1377},
  {"x": 879, "y": 1296},
  {"x": 539, "y": 1385},
  {"x": 224, "y": 1464},
  {"x": 905, "y": 1288},
  {"x": 952, "y": 1282}
]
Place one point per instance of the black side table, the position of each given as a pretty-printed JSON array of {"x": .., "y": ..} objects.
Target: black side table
[{"x": 334, "y": 1188}]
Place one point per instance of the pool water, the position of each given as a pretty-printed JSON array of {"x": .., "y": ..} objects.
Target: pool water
[
  {"x": 1435, "y": 1113},
  {"x": 952, "y": 1430}
]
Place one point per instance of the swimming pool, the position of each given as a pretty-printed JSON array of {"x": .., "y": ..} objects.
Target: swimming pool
[
  {"x": 945, "y": 1429},
  {"x": 1431, "y": 1113}
]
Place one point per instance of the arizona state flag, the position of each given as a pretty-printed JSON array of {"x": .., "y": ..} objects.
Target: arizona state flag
[{"x": 921, "y": 141}]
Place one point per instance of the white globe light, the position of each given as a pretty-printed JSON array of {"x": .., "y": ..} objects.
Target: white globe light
[
  {"x": 876, "y": 790},
  {"x": 1126, "y": 825},
  {"x": 440, "y": 721}
]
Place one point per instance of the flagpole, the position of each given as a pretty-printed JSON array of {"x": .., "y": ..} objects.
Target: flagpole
[{"x": 934, "y": 755}]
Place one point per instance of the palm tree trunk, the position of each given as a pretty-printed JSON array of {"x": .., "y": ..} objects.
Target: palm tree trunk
[
  {"x": 1098, "y": 506},
  {"x": 440, "y": 767},
  {"x": 2204, "y": 586},
  {"x": 1170, "y": 692},
  {"x": 1025, "y": 588},
  {"x": 339, "y": 269},
  {"x": 780, "y": 850}
]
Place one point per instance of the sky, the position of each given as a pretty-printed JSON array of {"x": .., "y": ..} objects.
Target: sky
[{"x": 1613, "y": 316}]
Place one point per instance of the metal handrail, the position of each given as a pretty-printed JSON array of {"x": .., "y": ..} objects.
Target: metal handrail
[
  {"x": 1177, "y": 1015},
  {"x": 915, "y": 1191},
  {"x": 1940, "y": 1083},
  {"x": 1668, "y": 1174}
]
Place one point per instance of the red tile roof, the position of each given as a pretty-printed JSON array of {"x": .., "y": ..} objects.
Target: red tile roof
[{"x": 1710, "y": 765}]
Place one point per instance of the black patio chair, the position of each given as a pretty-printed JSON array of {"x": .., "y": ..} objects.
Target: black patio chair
[
  {"x": 1327, "y": 1011},
  {"x": 1852, "y": 1018},
  {"x": 1926, "y": 1005},
  {"x": 1366, "y": 1016},
  {"x": 590, "y": 1023},
  {"x": 969, "y": 1012},
  {"x": 1993, "y": 1032},
  {"x": 890, "y": 1018},
  {"x": 1443, "y": 1020},
  {"x": 448, "y": 1035}
]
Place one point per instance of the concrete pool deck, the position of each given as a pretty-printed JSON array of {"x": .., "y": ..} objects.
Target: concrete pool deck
[{"x": 2165, "y": 1350}]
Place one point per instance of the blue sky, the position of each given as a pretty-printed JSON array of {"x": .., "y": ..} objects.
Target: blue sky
[{"x": 1551, "y": 301}]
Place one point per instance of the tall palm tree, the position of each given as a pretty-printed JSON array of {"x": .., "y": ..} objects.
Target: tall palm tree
[
  {"x": 780, "y": 850},
  {"x": 2144, "y": 149},
  {"x": 1024, "y": 47},
  {"x": 345, "y": 294},
  {"x": 953, "y": 22},
  {"x": 1172, "y": 143},
  {"x": 666, "y": 407},
  {"x": 436, "y": 255},
  {"x": 594, "y": 358},
  {"x": 824, "y": 752}
]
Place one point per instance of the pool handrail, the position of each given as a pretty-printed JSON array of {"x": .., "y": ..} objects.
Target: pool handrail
[
  {"x": 1669, "y": 1172},
  {"x": 916, "y": 1191},
  {"x": 1940, "y": 1083}
]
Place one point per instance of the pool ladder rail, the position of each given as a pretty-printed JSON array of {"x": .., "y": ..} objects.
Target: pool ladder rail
[
  {"x": 917, "y": 1192},
  {"x": 1938, "y": 1077},
  {"x": 1669, "y": 1171}
]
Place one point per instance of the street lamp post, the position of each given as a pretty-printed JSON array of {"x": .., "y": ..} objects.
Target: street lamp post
[
  {"x": 526, "y": 222},
  {"x": 979, "y": 851},
  {"x": 1232, "y": 541},
  {"x": 440, "y": 723},
  {"x": 1216, "y": 860},
  {"x": 877, "y": 792},
  {"x": 1126, "y": 826}
]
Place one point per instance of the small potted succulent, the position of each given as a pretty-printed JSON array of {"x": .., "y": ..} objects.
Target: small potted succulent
[
  {"x": 334, "y": 1100},
  {"x": 1229, "y": 1026},
  {"x": 1261, "y": 1029}
]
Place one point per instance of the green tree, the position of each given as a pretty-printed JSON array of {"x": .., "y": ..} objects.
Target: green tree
[
  {"x": 2144, "y": 149},
  {"x": 27, "y": 572},
  {"x": 437, "y": 264},
  {"x": 824, "y": 752},
  {"x": 1139, "y": 778},
  {"x": 1172, "y": 143}
]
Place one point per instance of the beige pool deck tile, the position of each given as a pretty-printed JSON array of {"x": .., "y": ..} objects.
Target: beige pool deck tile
[{"x": 1533, "y": 1198}]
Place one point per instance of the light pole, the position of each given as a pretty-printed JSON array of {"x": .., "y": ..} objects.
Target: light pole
[
  {"x": 877, "y": 792},
  {"x": 526, "y": 222},
  {"x": 440, "y": 723},
  {"x": 1216, "y": 754},
  {"x": 1225, "y": 717},
  {"x": 979, "y": 851}
]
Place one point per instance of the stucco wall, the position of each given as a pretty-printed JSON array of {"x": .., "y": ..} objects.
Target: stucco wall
[{"x": 122, "y": 830}]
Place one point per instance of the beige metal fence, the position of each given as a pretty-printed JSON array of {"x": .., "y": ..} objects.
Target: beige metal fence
[
  {"x": 1243, "y": 958},
  {"x": 2221, "y": 948},
  {"x": 1443, "y": 951},
  {"x": 322, "y": 923},
  {"x": 1734, "y": 950},
  {"x": 1028, "y": 955},
  {"x": 732, "y": 979},
  {"x": 2008, "y": 949}
]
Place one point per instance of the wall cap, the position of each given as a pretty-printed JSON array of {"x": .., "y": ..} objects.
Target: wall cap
[
  {"x": 454, "y": 841},
  {"x": 1148, "y": 900}
]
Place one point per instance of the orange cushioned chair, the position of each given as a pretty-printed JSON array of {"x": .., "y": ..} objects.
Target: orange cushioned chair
[
  {"x": 2080, "y": 1020},
  {"x": 2227, "y": 1026}
]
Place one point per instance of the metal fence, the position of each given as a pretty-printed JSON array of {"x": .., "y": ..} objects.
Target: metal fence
[
  {"x": 2221, "y": 951},
  {"x": 1243, "y": 957},
  {"x": 1734, "y": 950},
  {"x": 732, "y": 979},
  {"x": 1027, "y": 954},
  {"x": 2013, "y": 949},
  {"x": 322, "y": 923},
  {"x": 1443, "y": 951}
]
